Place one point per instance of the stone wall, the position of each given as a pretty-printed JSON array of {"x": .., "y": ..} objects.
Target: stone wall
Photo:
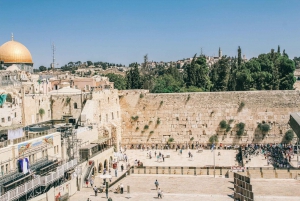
[
  {"x": 32, "y": 104},
  {"x": 183, "y": 116}
]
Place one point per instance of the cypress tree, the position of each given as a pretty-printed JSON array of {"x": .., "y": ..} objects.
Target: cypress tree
[{"x": 239, "y": 57}]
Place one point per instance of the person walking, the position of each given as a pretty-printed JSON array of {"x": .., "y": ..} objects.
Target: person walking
[
  {"x": 163, "y": 158},
  {"x": 95, "y": 190},
  {"x": 156, "y": 184},
  {"x": 159, "y": 193},
  {"x": 122, "y": 168},
  {"x": 92, "y": 182}
]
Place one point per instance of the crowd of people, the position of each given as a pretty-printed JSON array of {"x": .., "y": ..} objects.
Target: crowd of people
[{"x": 278, "y": 155}]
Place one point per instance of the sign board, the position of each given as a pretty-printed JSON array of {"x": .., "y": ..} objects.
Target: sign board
[{"x": 26, "y": 146}]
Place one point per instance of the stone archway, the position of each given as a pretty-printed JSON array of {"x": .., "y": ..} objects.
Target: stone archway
[{"x": 100, "y": 168}]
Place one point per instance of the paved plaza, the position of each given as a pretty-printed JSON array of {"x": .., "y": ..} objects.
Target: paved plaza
[
  {"x": 194, "y": 188},
  {"x": 226, "y": 158}
]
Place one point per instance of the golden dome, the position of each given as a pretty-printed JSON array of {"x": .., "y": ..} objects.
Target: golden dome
[{"x": 15, "y": 52}]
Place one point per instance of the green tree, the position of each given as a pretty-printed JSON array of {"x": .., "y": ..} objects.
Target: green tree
[
  {"x": 89, "y": 63},
  {"x": 166, "y": 84},
  {"x": 221, "y": 74},
  {"x": 42, "y": 68},
  {"x": 289, "y": 136},
  {"x": 118, "y": 80},
  {"x": 191, "y": 73},
  {"x": 202, "y": 74},
  {"x": 239, "y": 56}
]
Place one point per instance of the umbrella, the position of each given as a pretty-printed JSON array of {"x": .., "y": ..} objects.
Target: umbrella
[{"x": 106, "y": 176}]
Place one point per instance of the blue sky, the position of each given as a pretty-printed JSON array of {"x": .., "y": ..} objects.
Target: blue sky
[{"x": 122, "y": 31}]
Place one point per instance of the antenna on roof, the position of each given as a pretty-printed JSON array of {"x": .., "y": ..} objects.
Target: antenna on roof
[
  {"x": 12, "y": 36},
  {"x": 53, "y": 55}
]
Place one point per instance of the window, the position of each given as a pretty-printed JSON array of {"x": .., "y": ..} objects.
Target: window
[
  {"x": 49, "y": 113},
  {"x": 39, "y": 102},
  {"x": 57, "y": 149},
  {"x": 2, "y": 120},
  {"x": 108, "y": 100},
  {"x": 15, "y": 114},
  {"x": 106, "y": 117},
  {"x": 6, "y": 168},
  {"x": 99, "y": 117},
  {"x": 8, "y": 118},
  {"x": 117, "y": 114},
  {"x": 2, "y": 169},
  {"x": 54, "y": 150},
  {"x": 75, "y": 105},
  {"x": 112, "y": 115}
]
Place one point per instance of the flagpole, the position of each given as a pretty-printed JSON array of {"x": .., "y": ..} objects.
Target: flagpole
[{"x": 214, "y": 162}]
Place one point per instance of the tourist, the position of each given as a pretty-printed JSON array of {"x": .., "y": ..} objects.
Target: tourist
[
  {"x": 156, "y": 184},
  {"x": 155, "y": 153},
  {"x": 95, "y": 190},
  {"x": 122, "y": 168},
  {"x": 163, "y": 158},
  {"x": 159, "y": 193},
  {"x": 87, "y": 183},
  {"x": 116, "y": 172}
]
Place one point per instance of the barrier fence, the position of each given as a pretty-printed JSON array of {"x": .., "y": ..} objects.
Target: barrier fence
[
  {"x": 38, "y": 181},
  {"x": 219, "y": 171}
]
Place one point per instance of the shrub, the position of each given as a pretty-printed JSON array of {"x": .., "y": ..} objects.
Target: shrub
[
  {"x": 150, "y": 122},
  {"x": 213, "y": 139},
  {"x": 158, "y": 121},
  {"x": 192, "y": 138},
  {"x": 137, "y": 128},
  {"x": 240, "y": 132},
  {"x": 241, "y": 106},
  {"x": 135, "y": 118},
  {"x": 228, "y": 128},
  {"x": 177, "y": 118},
  {"x": 151, "y": 132},
  {"x": 188, "y": 98},
  {"x": 241, "y": 125},
  {"x": 41, "y": 112},
  {"x": 146, "y": 127},
  {"x": 289, "y": 136},
  {"x": 170, "y": 139},
  {"x": 161, "y": 102},
  {"x": 142, "y": 132},
  {"x": 231, "y": 121},
  {"x": 223, "y": 124},
  {"x": 141, "y": 95},
  {"x": 241, "y": 128},
  {"x": 264, "y": 127},
  {"x": 68, "y": 100}
]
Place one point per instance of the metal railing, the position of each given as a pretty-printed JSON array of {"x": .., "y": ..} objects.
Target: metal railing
[{"x": 38, "y": 181}]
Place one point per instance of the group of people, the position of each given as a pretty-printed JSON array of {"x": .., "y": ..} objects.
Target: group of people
[
  {"x": 159, "y": 191},
  {"x": 279, "y": 155}
]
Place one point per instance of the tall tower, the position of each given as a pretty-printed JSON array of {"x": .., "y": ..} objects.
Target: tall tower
[{"x": 220, "y": 52}]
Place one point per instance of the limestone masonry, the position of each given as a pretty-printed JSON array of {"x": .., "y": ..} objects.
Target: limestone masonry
[{"x": 153, "y": 118}]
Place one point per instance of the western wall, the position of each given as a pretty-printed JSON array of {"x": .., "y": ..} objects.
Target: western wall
[{"x": 194, "y": 117}]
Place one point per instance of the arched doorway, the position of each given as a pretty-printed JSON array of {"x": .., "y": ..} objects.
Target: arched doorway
[
  {"x": 100, "y": 168},
  {"x": 110, "y": 161},
  {"x": 105, "y": 164}
]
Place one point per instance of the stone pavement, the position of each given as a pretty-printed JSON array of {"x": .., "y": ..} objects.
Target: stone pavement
[
  {"x": 194, "y": 188},
  {"x": 227, "y": 158},
  {"x": 175, "y": 187}
]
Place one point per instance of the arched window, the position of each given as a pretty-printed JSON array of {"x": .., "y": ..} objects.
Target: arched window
[{"x": 75, "y": 105}]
